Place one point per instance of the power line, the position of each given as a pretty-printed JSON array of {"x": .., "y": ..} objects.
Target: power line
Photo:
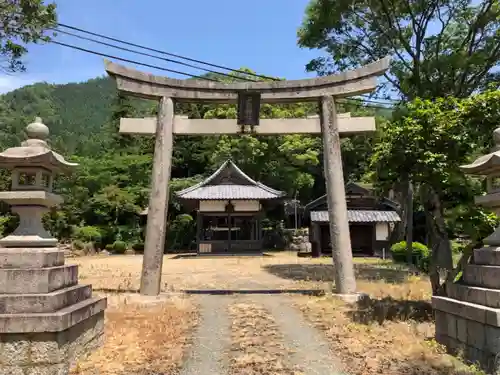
[
  {"x": 364, "y": 101},
  {"x": 179, "y": 72},
  {"x": 181, "y": 57},
  {"x": 131, "y": 61},
  {"x": 150, "y": 55},
  {"x": 165, "y": 53}
]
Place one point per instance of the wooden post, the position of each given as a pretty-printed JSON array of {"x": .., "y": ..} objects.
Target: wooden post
[
  {"x": 158, "y": 201},
  {"x": 345, "y": 282}
]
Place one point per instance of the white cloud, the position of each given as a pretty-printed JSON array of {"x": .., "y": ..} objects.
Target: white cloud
[{"x": 12, "y": 82}]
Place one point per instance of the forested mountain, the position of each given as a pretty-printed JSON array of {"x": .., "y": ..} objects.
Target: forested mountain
[{"x": 112, "y": 183}]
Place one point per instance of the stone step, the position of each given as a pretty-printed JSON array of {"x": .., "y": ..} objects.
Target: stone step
[
  {"x": 44, "y": 303},
  {"x": 31, "y": 258},
  {"x": 471, "y": 311},
  {"x": 54, "y": 321},
  {"x": 467, "y": 324},
  {"x": 37, "y": 281},
  {"x": 487, "y": 256},
  {"x": 474, "y": 294},
  {"x": 482, "y": 276}
]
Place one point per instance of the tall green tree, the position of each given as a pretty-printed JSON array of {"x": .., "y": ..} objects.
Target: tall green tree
[
  {"x": 438, "y": 47},
  {"x": 429, "y": 142},
  {"x": 23, "y": 22}
]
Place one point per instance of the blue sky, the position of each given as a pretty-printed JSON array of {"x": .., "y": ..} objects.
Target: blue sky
[{"x": 260, "y": 35}]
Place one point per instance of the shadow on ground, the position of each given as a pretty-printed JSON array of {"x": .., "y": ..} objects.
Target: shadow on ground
[
  {"x": 227, "y": 255},
  {"x": 308, "y": 292},
  {"x": 369, "y": 310},
  {"x": 325, "y": 272}
]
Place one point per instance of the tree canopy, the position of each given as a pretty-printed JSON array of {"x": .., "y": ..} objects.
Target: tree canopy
[
  {"x": 439, "y": 47},
  {"x": 23, "y": 22}
]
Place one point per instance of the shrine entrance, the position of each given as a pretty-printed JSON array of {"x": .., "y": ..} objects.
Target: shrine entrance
[{"x": 248, "y": 96}]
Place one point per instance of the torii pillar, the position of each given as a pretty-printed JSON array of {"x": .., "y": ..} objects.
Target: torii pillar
[{"x": 248, "y": 96}]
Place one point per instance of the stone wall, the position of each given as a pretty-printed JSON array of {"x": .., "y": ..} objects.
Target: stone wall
[{"x": 468, "y": 319}]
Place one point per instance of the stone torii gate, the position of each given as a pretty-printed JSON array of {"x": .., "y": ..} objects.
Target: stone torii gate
[{"x": 248, "y": 96}]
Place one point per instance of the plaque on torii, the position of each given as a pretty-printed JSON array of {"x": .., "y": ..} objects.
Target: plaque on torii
[{"x": 248, "y": 96}]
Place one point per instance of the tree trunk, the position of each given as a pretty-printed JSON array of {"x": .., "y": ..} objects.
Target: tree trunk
[
  {"x": 441, "y": 258},
  {"x": 409, "y": 223},
  {"x": 398, "y": 234}
]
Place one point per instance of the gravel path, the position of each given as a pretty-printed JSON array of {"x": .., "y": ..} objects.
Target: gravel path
[
  {"x": 207, "y": 355},
  {"x": 212, "y": 338},
  {"x": 311, "y": 351}
]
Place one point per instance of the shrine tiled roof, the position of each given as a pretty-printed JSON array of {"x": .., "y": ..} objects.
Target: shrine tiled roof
[
  {"x": 242, "y": 188},
  {"x": 360, "y": 216}
]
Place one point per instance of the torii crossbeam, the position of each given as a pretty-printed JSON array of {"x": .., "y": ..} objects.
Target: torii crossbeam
[{"x": 248, "y": 96}]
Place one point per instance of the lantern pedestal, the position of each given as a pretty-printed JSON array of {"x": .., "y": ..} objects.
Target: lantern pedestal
[
  {"x": 30, "y": 206},
  {"x": 47, "y": 320}
]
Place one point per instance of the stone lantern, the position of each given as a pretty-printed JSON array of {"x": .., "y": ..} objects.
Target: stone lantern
[
  {"x": 33, "y": 167},
  {"x": 468, "y": 318},
  {"x": 47, "y": 319}
]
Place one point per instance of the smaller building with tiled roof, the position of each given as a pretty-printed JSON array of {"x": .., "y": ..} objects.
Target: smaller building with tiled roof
[
  {"x": 229, "y": 207},
  {"x": 371, "y": 220}
]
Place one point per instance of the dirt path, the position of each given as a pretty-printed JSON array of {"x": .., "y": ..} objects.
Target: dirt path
[
  {"x": 303, "y": 349},
  {"x": 211, "y": 338}
]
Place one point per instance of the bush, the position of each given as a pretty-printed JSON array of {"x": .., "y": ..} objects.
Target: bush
[
  {"x": 87, "y": 233},
  {"x": 419, "y": 251},
  {"x": 424, "y": 263},
  {"x": 109, "y": 247},
  {"x": 78, "y": 244},
  {"x": 138, "y": 247},
  {"x": 119, "y": 247},
  {"x": 457, "y": 247}
]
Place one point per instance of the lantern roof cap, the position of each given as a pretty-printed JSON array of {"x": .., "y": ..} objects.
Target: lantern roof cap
[
  {"x": 487, "y": 164},
  {"x": 35, "y": 151}
]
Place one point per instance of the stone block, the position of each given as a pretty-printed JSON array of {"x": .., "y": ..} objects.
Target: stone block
[
  {"x": 441, "y": 323},
  {"x": 50, "y": 352},
  {"x": 487, "y": 256},
  {"x": 467, "y": 310},
  {"x": 41, "y": 280},
  {"x": 492, "y": 335},
  {"x": 483, "y": 276},
  {"x": 31, "y": 257},
  {"x": 475, "y": 294},
  {"x": 52, "y": 322},
  {"x": 461, "y": 329},
  {"x": 43, "y": 303},
  {"x": 451, "y": 325},
  {"x": 476, "y": 336}
]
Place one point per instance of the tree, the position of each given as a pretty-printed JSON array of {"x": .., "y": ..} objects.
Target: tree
[
  {"x": 429, "y": 142},
  {"x": 23, "y": 22},
  {"x": 439, "y": 47}
]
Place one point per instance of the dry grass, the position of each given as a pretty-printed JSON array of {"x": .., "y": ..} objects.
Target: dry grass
[
  {"x": 390, "y": 333},
  {"x": 122, "y": 273},
  {"x": 256, "y": 343},
  {"x": 141, "y": 339}
]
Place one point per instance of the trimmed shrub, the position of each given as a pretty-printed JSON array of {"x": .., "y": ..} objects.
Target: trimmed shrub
[
  {"x": 138, "y": 247},
  {"x": 419, "y": 251},
  {"x": 119, "y": 247},
  {"x": 109, "y": 247},
  {"x": 78, "y": 244},
  {"x": 87, "y": 233}
]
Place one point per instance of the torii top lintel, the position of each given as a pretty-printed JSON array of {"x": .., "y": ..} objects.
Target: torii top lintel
[{"x": 349, "y": 83}]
